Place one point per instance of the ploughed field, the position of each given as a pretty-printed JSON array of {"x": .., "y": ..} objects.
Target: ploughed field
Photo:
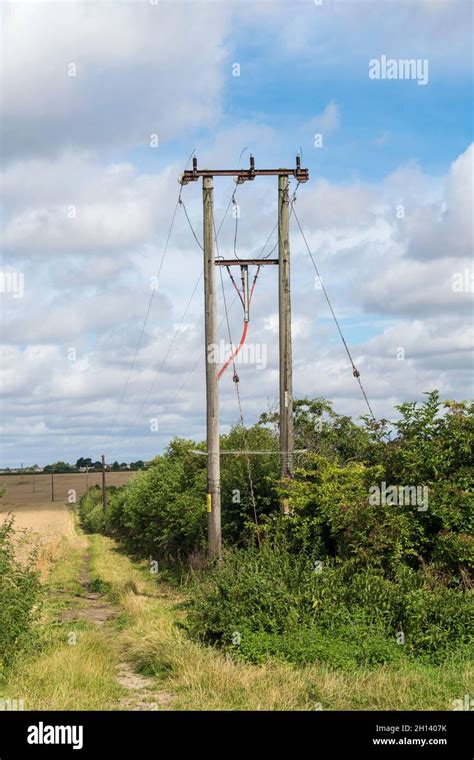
[{"x": 30, "y": 499}]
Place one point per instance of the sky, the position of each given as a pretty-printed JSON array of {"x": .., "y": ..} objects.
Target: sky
[{"x": 103, "y": 104}]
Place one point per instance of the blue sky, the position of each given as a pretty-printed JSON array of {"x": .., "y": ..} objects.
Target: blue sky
[{"x": 86, "y": 205}]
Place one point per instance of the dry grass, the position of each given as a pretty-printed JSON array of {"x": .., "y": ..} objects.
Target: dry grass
[
  {"x": 41, "y": 523},
  {"x": 202, "y": 678},
  {"x": 146, "y": 638},
  {"x": 48, "y": 533},
  {"x": 79, "y": 677}
]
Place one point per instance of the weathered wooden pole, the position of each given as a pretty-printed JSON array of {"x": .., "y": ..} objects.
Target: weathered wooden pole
[
  {"x": 214, "y": 545},
  {"x": 104, "y": 490},
  {"x": 284, "y": 307}
]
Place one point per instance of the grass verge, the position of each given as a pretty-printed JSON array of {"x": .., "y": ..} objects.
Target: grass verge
[
  {"x": 203, "y": 678},
  {"x": 182, "y": 674}
]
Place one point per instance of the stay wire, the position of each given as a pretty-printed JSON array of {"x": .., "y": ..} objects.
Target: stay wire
[
  {"x": 181, "y": 203},
  {"x": 145, "y": 321},
  {"x": 147, "y": 314},
  {"x": 355, "y": 371},
  {"x": 170, "y": 346}
]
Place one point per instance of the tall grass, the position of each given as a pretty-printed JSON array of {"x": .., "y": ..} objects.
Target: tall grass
[
  {"x": 147, "y": 633},
  {"x": 19, "y": 595}
]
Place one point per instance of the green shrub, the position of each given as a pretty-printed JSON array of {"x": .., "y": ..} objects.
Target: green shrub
[
  {"x": 453, "y": 553},
  {"x": 91, "y": 511},
  {"x": 161, "y": 512},
  {"x": 281, "y": 604},
  {"x": 238, "y": 521},
  {"x": 353, "y": 646},
  {"x": 330, "y": 504},
  {"x": 438, "y": 621},
  {"x": 19, "y": 595},
  {"x": 390, "y": 572}
]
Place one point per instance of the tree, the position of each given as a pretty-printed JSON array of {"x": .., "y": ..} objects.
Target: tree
[
  {"x": 58, "y": 467},
  {"x": 84, "y": 462}
]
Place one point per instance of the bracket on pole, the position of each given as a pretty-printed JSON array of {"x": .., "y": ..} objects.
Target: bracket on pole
[
  {"x": 245, "y": 262},
  {"x": 243, "y": 175}
]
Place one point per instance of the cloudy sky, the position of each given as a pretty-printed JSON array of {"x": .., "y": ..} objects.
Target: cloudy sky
[{"x": 102, "y": 105}]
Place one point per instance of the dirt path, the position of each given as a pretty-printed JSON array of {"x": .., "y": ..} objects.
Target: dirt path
[
  {"x": 141, "y": 692},
  {"x": 96, "y": 609},
  {"x": 81, "y": 604}
]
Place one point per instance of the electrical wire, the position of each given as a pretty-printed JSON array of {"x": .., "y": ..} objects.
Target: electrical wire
[
  {"x": 355, "y": 371},
  {"x": 181, "y": 203},
  {"x": 147, "y": 314},
  {"x": 170, "y": 346},
  {"x": 245, "y": 329},
  {"x": 239, "y": 401},
  {"x": 142, "y": 331}
]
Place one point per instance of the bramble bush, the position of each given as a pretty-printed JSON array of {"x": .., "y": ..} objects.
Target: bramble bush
[
  {"x": 162, "y": 510},
  {"x": 388, "y": 570},
  {"x": 278, "y": 603}
]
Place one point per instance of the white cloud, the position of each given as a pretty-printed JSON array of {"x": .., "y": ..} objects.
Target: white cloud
[
  {"x": 134, "y": 76},
  {"x": 318, "y": 32},
  {"x": 66, "y": 144},
  {"x": 329, "y": 120},
  {"x": 73, "y": 204},
  {"x": 370, "y": 262},
  {"x": 445, "y": 228}
]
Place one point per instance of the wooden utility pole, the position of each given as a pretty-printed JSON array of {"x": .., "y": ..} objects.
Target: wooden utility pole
[
  {"x": 33, "y": 481},
  {"x": 104, "y": 490},
  {"x": 284, "y": 307},
  {"x": 210, "y": 328},
  {"x": 52, "y": 486},
  {"x": 283, "y": 262}
]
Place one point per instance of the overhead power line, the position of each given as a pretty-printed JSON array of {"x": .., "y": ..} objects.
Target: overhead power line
[
  {"x": 142, "y": 331},
  {"x": 355, "y": 371},
  {"x": 147, "y": 314},
  {"x": 181, "y": 203},
  {"x": 170, "y": 346}
]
